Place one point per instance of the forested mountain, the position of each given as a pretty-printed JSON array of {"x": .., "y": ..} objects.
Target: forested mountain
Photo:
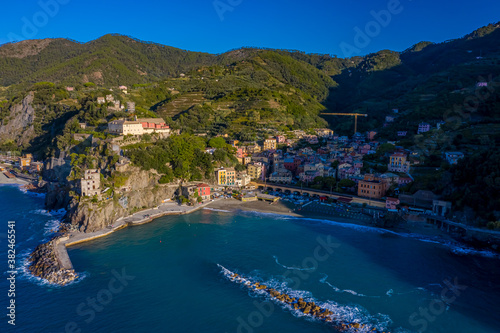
[
  {"x": 248, "y": 91},
  {"x": 109, "y": 60},
  {"x": 424, "y": 82}
]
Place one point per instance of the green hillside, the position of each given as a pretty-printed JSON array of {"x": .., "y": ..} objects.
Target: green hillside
[
  {"x": 109, "y": 60},
  {"x": 248, "y": 93}
]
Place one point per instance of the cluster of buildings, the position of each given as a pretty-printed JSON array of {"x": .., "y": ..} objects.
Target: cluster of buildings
[
  {"x": 335, "y": 156},
  {"x": 116, "y": 105},
  {"x": 265, "y": 162},
  {"x": 25, "y": 162}
]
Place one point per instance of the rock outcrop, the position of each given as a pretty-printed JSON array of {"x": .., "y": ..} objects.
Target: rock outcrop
[
  {"x": 56, "y": 197},
  {"x": 44, "y": 264},
  {"x": 142, "y": 191},
  {"x": 19, "y": 125}
]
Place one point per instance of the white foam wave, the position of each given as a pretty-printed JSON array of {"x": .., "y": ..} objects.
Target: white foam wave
[
  {"x": 341, "y": 313},
  {"x": 389, "y": 292},
  {"x": 291, "y": 267},
  {"x": 349, "y": 225},
  {"x": 217, "y": 210},
  {"x": 338, "y": 290},
  {"x": 51, "y": 227},
  {"x": 456, "y": 248},
  {"x": 271, "y": 215},
  {"x": 52, "y": 213}
]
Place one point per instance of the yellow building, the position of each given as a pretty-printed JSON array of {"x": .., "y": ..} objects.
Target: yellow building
[
  {"x": 270, "y": 144},
  {"x": 25, "y": 162},
  {"x": 255, "y": 170},
  {"x": 226, "y": 176},
  {"x": 398, "y": 163}
]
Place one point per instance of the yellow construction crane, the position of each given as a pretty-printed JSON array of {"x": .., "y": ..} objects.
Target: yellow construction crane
[{"x": 348, "y": 114}]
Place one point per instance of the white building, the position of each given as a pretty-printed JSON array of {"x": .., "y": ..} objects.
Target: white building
[
  {"x": 90, "y": 183},
  {"x": 125, "y": 127},
  {"x": 139, "y": 126},
  {"x": 242, "y": 180}
]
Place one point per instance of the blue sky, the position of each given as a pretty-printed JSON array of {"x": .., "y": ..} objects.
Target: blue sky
[{"x": 314, "y": 26}]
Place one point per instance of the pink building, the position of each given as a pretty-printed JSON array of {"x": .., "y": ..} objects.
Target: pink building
[
  {"x": 240, "y": 152},
  {"x": 204, "y": 191},
  {"x": 404, "y": 180},
  {"x": 391, "y": 203},
  {"x": 280, "y": 139},
  {"x": 153, "y": 123}
]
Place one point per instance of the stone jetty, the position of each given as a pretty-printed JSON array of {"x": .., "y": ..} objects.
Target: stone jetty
[
  {"x": 46, "y": 264},
  {"x": 307, "y": 308}
]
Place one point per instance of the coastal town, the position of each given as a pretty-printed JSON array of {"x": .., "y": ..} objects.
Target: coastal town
[
  {"x": 314, "y": 173},
  {"x": 300, "y": 167},
  {"x": 287, "y": 167}
]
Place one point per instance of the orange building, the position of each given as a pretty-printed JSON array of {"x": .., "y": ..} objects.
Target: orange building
[{"x": 372, "y": 187}]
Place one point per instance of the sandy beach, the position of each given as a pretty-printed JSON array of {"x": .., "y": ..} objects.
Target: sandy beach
[
  {"x": 285, "y": 208},
  {"x": 6, "y": 180}
]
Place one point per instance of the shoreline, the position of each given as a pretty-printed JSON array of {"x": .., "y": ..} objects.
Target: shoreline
[
  {"x": 233, "y": 206},
  {"x": 59, "y": 269},
  {"x": 281, "y": 208}
]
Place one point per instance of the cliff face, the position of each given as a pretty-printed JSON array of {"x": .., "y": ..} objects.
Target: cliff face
[
  {"x": 19, "y": 126},
  {"x": 56, "y": 196},
  {"x": 144, "y": 192}
]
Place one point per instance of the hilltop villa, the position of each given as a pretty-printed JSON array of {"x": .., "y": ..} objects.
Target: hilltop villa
[{"x": 138, "y": 126}]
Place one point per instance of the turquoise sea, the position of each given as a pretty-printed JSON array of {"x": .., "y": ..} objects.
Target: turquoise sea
[{"x": 166, "y": 276}]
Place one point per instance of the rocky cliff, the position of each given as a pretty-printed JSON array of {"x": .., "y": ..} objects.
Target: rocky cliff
[
  {"x": 140, "y": 191},
  {"x": 19, "y": 125}
]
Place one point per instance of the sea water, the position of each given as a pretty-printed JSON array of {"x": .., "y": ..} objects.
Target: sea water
[{"x": 166, "y": 276}]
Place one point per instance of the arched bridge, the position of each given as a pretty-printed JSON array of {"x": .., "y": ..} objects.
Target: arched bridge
[{"x": 312, "y": 192}]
